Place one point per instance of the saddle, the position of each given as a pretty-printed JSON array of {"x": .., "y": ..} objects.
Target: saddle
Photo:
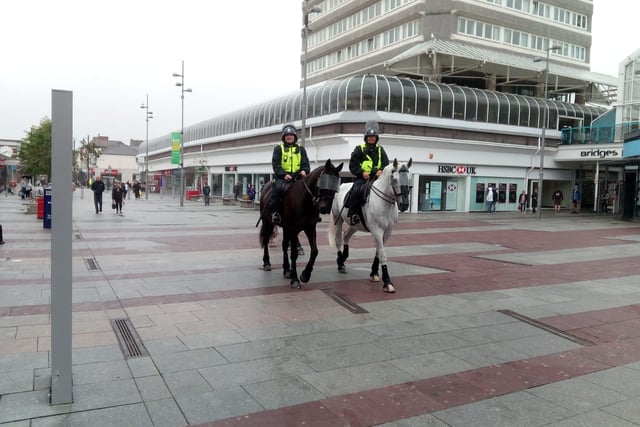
[{"x": 364, "y": 191}]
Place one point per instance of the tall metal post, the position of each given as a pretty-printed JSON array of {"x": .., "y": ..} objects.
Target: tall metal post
[
  {"x": 545, "y": 123},
  {"x": 305, "y": 33},
  {"x": 148, "y": 115},
  {"x": 182, "y": 91}
]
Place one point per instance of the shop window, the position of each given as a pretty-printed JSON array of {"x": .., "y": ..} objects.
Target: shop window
[
  {"x": 479, "y": 193},
  {"x": 513, "y": 193}
]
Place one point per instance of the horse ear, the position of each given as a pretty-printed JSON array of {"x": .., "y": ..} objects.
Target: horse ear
[
  {"x": 395, "y": 163},
  {"x": 409, "y": 164},
  {"x": 326, "y": 165},
  {"x": 339, "y": 168}
]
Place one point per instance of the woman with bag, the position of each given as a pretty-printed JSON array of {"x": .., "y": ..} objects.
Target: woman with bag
[{"x": 117, "y": 195}]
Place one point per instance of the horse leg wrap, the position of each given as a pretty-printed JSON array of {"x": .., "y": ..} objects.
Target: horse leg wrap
[{"x": 385, "y": 275}]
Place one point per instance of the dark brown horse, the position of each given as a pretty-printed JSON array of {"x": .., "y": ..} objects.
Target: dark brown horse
[{"x": 302, "y": 202}]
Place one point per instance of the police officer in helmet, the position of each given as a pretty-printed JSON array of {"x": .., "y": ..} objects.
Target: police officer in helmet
[
  {"x": 367, "y": 161},
  {"x": 288, "y": 161}
]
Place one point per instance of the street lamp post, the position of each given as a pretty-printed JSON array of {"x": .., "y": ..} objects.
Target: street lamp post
[
  {"x": 182, "y": 91},
  {"x": 149, "y": 115},
  {"x": 545, "y": 120},
  {"x": 305, "y": 33}
]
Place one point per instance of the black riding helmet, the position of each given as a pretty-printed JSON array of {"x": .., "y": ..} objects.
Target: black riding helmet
[
  {"x": 371, "y": 129},
  {"x": 289, "y": 129}
]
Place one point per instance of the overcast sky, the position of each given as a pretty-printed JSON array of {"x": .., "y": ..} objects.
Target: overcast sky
[{"x": 237, "y": 53}]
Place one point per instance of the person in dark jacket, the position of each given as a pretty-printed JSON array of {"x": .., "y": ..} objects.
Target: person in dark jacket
[
  {"x": 98, "y": 188},
  {"x": 367, "y": 162},
  {"x": 206, "y": 192},
  {"x": 289, "y": 161},
  {"x": 117, "y": 195}
]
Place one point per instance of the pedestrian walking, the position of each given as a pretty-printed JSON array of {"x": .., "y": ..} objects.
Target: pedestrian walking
[
  {"x": 206, "y": 191},
  {"x": 98, "y": 188},
  {"x": 117, "y": 196}
]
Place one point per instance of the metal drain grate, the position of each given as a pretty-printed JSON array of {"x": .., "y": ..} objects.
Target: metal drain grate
[
  {"x": 548, "y": 328},
  {"x": 92, "y": 264},
  {"x": 130, "y": 343},
  {"x": 344, "y": 301}
]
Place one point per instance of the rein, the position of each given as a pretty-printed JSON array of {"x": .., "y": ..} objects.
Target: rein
[{"x": 384, "y": 196}]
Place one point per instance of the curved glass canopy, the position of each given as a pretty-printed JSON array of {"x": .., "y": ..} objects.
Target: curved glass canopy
[{"x": 390, "y": 94}]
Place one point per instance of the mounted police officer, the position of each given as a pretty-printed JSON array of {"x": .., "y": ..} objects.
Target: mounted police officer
[
  {"x": 288, "y": 161},
  {"x": 367, "y": 160}
]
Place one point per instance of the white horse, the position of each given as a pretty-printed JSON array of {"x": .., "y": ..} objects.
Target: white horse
[{"x": 379, "y": 215}]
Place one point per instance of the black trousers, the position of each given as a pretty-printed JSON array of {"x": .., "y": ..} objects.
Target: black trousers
[
  {"x": 276, "y": 195},
  {"x": 355, "y": 198},
  {"x": 97, "y": 201}
]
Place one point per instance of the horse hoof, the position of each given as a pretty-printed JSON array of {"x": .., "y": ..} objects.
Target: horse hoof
[
  {"x": 286, "y": 274},
  {"x": 304, "y": 278},
  {"x": 388, "y": 288},
  {"x": 342, "y": 270},
  {"x": 296, "y": 285},
  {"x": 375, "y": 278},
  {"x": 266, "y": 267}
]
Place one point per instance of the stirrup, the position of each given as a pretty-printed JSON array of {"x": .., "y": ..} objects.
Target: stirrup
[
  {"x": 355, "y": 219},
  {"x": 275, "y": 218}
]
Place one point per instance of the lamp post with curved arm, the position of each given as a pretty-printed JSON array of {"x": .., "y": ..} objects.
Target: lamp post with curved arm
[
  {"x": 545, "y": 123},
  {"x": 305, "y": 33},
  {"x": 182, "y": 91},
  {"x": 148, "y": 115}
]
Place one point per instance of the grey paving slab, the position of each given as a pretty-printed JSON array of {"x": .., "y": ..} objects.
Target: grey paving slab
[
  {"x": 578, "y": 395},
  {"x": 563, "y": 256},
  {"x": 152, "y": 388},
  {"x": 357, "y": 378},
  {"x": 142, "y": 367},
  {"x": 421, "y": 344},
  {"x": 258, "y": 349},
  {"x": 254, "y": 371},
  {"x": 513, "y": 410},
  {"x": 165, "y": 413},
  {"x": 16, "y": 381},
  {"x": 21, "y": 361},
  {"x": 626, "y": 410},
  {"x": 165, "y": 345},
  {"x": 341, "y": 357},
  {"x": 487, "y": 354},
  {"x": 212, "y": 339},
  {"x": 497, "y": 333},
  {"x": 185, "y": 383},
  {"x": 337, "y": 338},
  {"x": 125, "y": 415},
  {"x": 593, "y": 419},
  {"x": 432, "y": 364},
  {"x": 540, "y": 345},
  {"x": 217, "y": 404},
  {"x": 426, "y": 420},
  {"x": 283, "y": 392},
  {"x": 100, "y": 372},
  {"x": 188, "y": 360}
]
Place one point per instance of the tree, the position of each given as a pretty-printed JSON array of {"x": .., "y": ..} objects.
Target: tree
[
  {"x": 35, "y": 150},
  {"x": 88, "y": 152}
]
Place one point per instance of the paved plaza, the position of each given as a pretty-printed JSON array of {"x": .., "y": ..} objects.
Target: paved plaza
[{"x": 498, "y": 320}]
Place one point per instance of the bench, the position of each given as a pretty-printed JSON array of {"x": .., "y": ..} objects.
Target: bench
[
  {"x": 246, "y": 204},
  {"x": 228, "y": 202}
]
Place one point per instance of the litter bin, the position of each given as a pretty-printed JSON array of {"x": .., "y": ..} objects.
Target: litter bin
[
  {"x": 40, "y": 207},
  {"x": 46, "y": 223}
]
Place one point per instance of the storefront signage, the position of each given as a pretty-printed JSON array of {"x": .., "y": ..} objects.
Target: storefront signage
[
  {"x": 231, "y": 168},
  {"x": 601, "y": 154},
  {"x": 457, "y": 169}
]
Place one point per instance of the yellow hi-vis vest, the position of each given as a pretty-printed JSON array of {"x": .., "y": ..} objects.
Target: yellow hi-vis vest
[
  {"x": 367, "y": 165},
  {"x": 291, "y": 158}
]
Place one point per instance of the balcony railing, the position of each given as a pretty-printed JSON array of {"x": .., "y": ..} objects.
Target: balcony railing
[{"x": 598, "y": 134}]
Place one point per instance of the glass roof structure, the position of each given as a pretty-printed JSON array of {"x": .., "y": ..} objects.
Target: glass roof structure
[{"x": 389, "y": 94}]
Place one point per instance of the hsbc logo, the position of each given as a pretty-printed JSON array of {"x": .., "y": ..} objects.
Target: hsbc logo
[{"x": 457, "y": 169}]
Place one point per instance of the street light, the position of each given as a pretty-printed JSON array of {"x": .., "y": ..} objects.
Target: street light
[
  {"x": 305, "y": 33},
  {"x": 149, "y": 115},
  {"x": 182, "y": 91},
  {"x": 545, "y": 120}
]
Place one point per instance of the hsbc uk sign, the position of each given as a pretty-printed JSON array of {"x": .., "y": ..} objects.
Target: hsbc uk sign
[{"x": 457, "y": 169}]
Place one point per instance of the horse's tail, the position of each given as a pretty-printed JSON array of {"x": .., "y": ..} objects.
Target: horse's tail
[
  {"x": 266, "y": 231},
  {"x": 334, "y": 218}
]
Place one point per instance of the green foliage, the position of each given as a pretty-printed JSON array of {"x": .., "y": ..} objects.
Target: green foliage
[{"x": 35, "y": 150}]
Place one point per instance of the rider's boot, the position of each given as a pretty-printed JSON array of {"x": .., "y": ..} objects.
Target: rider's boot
[
  {"x": 354, "y": 219},
  {"x": 275, "y": 218}
]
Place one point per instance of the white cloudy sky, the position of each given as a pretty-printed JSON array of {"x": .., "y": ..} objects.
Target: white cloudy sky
[{"x": 112, "y": 54}]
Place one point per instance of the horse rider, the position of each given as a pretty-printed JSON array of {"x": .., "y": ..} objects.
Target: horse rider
[
  {"x": 366, "y": 159},
  {"x": 288, "y": 161}
]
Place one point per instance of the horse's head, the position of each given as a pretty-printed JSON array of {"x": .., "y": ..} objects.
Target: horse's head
[
  {"x": 328, "y": 185},
  {"x": 400, "y": 183}
]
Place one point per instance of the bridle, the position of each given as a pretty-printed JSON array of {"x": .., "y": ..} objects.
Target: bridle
[
  {"x": 399, "y": 187},
  {"x": 327, "y": 187}
]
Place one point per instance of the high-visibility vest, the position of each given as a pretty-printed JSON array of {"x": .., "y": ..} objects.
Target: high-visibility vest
[
  {"x": 291, "y": 158},
  {"x": 367, "y": 165}
]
